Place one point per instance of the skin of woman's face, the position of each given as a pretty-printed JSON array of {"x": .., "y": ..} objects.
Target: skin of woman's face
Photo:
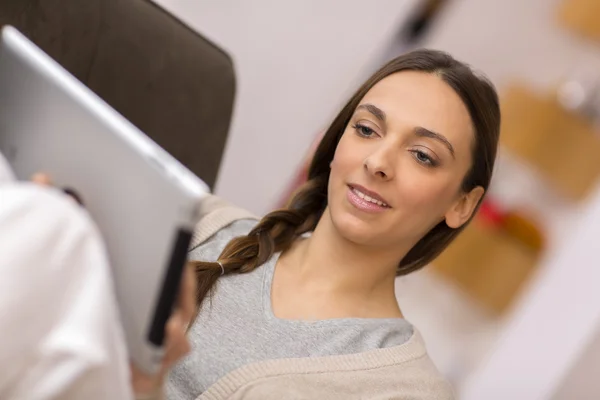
[{"x": 398, "y": 168}]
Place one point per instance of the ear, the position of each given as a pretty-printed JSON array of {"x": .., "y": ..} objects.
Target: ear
[{"x": 460, "y": 212}]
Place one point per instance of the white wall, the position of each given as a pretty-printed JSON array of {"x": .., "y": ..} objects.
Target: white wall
[
  {"x": 296, "y": 62},
  {"x": 557, "y": 317},
  {"x": 513, "y": 39},
  {"x": 582, "y": 382},
  {"x": 552, "y": 325}
]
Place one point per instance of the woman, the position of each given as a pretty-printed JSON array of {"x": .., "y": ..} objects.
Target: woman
[{"x": 307, "y": 308}]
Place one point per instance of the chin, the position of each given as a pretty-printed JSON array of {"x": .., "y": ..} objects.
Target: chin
[{"x": 352, "y": 228}]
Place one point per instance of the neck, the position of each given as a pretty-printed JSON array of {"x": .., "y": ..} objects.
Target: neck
[{"x": 327, "y": 262}]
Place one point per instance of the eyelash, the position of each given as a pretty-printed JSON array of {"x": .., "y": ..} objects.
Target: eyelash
[
  {"x": 360, "y": 130},
  {"x": 428, "y": 162},
  {"x": 366, "y": 132}
]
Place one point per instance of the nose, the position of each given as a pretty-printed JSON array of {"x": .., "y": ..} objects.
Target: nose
[{"x": 379, "y": 163}]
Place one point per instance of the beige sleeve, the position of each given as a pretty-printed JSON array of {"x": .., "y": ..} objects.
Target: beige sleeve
[{"x": 216, "y": 214}]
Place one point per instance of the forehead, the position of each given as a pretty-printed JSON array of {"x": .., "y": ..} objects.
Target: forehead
[{"x": 411, "y": 99}]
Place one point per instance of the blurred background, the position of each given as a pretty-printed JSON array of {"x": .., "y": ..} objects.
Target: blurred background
[{"x": 241, "y": 90}]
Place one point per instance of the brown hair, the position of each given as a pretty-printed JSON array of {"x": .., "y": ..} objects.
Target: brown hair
[{"x": 278, "y": 229}]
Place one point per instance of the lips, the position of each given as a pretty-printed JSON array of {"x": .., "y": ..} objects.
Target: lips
[{"x": 369, "y": 195}]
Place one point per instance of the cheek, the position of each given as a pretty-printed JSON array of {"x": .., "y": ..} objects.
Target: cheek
[
  {"x": 422, "y": 204},
  {"x": 347, "y": 158},
  {"x": 429, "y": 190},
  {"x": 343, "y": 152},
  {"x": 425, "y": 198}
]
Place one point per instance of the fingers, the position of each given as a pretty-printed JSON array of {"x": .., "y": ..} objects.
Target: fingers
[
  {"x": 177, "y": 345},
  {"x": 176, "y": 342},
  {"x": 187, "y": 301},
  {"x": 41, "y": 179},
  {"x": 142, "y": 384}
]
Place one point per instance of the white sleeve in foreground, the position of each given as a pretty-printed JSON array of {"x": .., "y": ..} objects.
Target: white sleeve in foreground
[
  {"x": 6, "y": 174},
  {"x": 61, "y": 333}
]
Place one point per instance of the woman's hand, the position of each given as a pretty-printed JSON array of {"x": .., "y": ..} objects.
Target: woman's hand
[{"x": 176, "y": 342}]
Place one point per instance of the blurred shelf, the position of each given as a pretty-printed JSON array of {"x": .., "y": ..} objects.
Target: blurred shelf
[
  {"x": 487, "y": 264},
  {"x": 581, "y": 16},
  {"x": 562, "y": 145}
]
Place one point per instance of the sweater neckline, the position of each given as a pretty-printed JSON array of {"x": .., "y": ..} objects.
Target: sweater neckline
[
  {"x": 270, "y": 317},
  {"x": 413, "y": 349}
]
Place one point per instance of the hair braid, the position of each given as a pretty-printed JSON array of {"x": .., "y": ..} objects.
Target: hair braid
[{"x": 275, "y": 232}]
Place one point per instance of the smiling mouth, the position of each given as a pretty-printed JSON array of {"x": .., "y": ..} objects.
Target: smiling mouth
[{"x": 368, "y": 198}]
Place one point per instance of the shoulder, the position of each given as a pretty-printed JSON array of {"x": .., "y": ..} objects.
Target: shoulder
[
  {"x": 420, "y": 377},
  {"x": 209, "y": 249},
  {"x": 221, "y": 222},
  {"x": 424, "y": 380}
]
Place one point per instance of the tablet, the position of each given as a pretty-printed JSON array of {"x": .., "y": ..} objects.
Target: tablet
[{"x": 144, "y": 202}]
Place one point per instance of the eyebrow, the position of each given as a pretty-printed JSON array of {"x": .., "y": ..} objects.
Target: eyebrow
[
  {"x": 419, "y": 131},
  {"x": 376, "y": 111},
  {"x": 422, "y": 132}
]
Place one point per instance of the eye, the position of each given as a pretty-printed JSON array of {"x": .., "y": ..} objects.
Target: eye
[
  {"x": 424, "y": 158},
  {"x": 364, "y": 130}
]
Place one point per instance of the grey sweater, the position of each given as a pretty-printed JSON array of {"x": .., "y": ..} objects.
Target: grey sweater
[
  {"x": 242, "y": 351},
  {"x": 238, "y": 327}
]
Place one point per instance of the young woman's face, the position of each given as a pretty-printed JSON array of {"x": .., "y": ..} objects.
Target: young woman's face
[{"x": 398, "y": 168}]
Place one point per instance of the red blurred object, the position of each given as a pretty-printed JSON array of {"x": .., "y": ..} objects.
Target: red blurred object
[
  {"x": 518, "y": 225},
  {"x": 491, "y": 214}
]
